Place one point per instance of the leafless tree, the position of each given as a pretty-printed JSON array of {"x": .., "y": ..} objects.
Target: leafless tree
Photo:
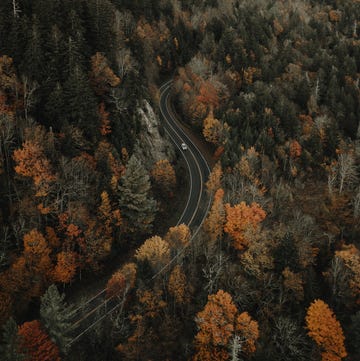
[
  {"x": 338, "y": 279},
  {"x": 126, "y": 63},
  {"x": 235, "y": 348},
  {"x": 16, "y": 9},
  {"x": 346, "y": 170},
  {"x": 29, "y": 89},
  {"x": 290, "y": 341},
  {"x": 125, "y": 22},
  {"x": 213, "y": 270}
]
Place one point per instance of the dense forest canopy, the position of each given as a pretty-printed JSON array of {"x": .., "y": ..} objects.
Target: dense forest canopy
[{"x": 272, "y": 88}]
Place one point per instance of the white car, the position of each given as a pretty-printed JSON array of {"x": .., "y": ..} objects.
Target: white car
[{"x": 184, "y": 146}]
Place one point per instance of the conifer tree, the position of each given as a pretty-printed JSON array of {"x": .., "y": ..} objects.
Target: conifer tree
[
  {"x": 80, "y": 100},
  {"x": 10, "y": 342},
  {"x": 136, "y": 205},
  {"x": 56, "y": 316}
]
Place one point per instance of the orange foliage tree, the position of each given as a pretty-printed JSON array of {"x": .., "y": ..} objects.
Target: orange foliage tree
[
  {"x": 31, "y": 162},
  {"x": 214, "y": 223},
  {"x": 105, "y": 127},
  {"x": 177, "y": 285},
  {"x": 122, "y": 281},
  {"x": 65, "y": 268},
  {"x": 295, "y": 149},
  {"x": 214, "y": 182},
  {"x": 219, "y": 323},
  {"x": 326, "y": 331},
  {"x": 208, "y": 95},
  {"x": 37, "y": 254},
  {"x": 105, "y": 214},
  {"x": 163, "y": 175},
  {"x": 240, "y": 219},
  {"x": 35, "y": 343},
  {"x": 102, "y": 77},
  {"x": 17, "y": 280}
]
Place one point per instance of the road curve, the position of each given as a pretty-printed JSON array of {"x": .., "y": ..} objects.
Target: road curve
[
  {"x": 198, "y": 201},
  {"x": 197, "y": 207}
]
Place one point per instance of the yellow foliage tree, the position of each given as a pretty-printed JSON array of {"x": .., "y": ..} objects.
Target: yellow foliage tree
[
  {"x": 177, "y": 285},
  {"x": 214, "y": 182},
  {"x": 155, "y": 251},
  {"x": 163, "y": 175},
  {"x": 350, "y": 255},
  {"x": 37, "y": 253},
  {"x": 214, "y": 223},
  {"x": 178, "y": 237},
  {"x": 212, "y": 129}
]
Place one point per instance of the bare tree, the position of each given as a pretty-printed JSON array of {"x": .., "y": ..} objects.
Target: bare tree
[
  {"x": 290, "y": 341},
  {"x": 29, "y": 99},
  {"x": 16, "y": 9},
  {"x": 235, "y": 348},
  {"x": 213, "y": 270},
  {"x": 126, "y": 63},
  {"x": 346, "y": 170},
  {"x": 125, "y": 22},
  {"x": 332, "y": 176},
  {"x": 338, "y": 280}
]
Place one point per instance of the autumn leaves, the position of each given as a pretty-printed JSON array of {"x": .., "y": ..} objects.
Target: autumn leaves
[{"x": 223, "y": 330}]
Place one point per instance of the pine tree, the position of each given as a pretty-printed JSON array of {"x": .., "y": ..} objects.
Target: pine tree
[
  {"x": 55, "y": 106},
  {"x": 56, "y": 316},
  {"x": 80, "y": 101},
  {"x": 10, "y": 342},
  {"x": 136, "y": 205}
]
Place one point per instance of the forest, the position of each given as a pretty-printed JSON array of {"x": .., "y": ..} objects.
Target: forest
[{"x": 270, "y": 88}]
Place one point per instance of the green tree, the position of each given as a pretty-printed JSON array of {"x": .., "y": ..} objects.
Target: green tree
[
  {"x": 136, "y": 205},
  {"x": 10, "y": 342},
  {"x": 56, "y": 317},
  {"x": 80, "y": 101},
  {"x": 55, "y": 106},
  {"x": 33, "y": 59}
]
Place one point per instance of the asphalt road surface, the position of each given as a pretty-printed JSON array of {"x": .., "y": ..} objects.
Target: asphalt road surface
[{"x": 197, "y": 205}]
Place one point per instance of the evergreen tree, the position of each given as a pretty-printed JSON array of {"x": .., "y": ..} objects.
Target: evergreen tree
[
  {"x": 55, "y": 106},
  {"x": 56, "y": 317},
  {"x": 285, "y": 254},
  {"x": 80, "y": 101},
  {"x": 10, "y": 342},
  {"x": 100, "y": 24},
  {"x": 33, "y": 60},
  {"x": 137, "y": 206}
]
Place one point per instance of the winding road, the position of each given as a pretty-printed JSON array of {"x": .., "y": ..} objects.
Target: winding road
[
  {"x": 198, "y": 202},
  {"x": 197, "y": 207}
]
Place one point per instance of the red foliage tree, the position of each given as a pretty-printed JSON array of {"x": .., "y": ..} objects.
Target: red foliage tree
[{"x": 35, "y": 343}]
